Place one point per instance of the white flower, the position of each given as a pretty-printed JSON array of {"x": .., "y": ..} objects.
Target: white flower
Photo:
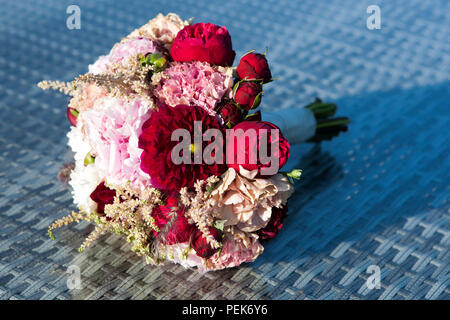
[
  {"x": 78, "y": 145},
  {"x": 84, "y": 180}
]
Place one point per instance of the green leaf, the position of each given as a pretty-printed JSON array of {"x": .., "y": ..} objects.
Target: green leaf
[
  {"x": 252, "y": 115},
  {"x": 257, "y": 100},
  {"x": 50, "y": 234},
  {"x": 220, "y": 224},
  {"x": 251, "y": 51},
  {"x": 236, "y": 86},
  {"x": 295, "y": 174}
]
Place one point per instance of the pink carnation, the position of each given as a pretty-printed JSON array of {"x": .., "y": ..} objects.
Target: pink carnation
[
  {"x": 112, "y": 129},
  {"x": 236, "y": 251},
  {"x": 122, "y": 51},
  {"x": 195, "y": 84}
]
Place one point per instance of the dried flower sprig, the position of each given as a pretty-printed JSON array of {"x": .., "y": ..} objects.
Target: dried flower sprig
[
  {"x": 114, "y": 84},
  {"x": 64, "y": 221},
  {"x": 199, "y": 207},
  {"x": 67, "y": 88},
  {"x": 99, "y": 230},
  {"x": 130, "y": 214}
]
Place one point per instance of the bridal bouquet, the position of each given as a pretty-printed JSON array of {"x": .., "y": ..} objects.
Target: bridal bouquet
[{"x": 170, "y": 152}]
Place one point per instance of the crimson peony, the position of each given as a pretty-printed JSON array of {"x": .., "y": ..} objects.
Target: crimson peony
[
  {"x": 203, "y": 42},
  {"x": 180, "y": 229},
  {"x": 103, "y": 195},
  {"x": 275, "y": 223},
  {"x": 155, "y": 139},
  {"x": 201, "y": 245}
]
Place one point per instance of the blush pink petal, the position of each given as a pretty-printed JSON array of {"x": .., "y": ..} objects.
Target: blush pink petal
[
  {"x": 122, "y": 51},
  {"x": 112, "y": 129}
]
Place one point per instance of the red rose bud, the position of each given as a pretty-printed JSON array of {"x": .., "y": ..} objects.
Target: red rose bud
[
  {"x": 181, "y": 230},
  {"x": 203, "y": 42},
  {"x": 72, "y": 115},
  {"x": 103, "y": 195},
  {"x": 251, "y": 151},
  {"x": 201, "y": 245},
  {"x": 274, "y": 225},
  {"x": 248, "y": 95},
  {"x": 230, "y": 114},
  {"x": 254, "y": 66}
]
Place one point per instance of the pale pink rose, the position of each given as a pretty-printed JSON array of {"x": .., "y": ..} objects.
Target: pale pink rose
[
  {"x": 247, "y": 202},
  {"x": 162, "y": 29},
  {"x": 195, "y": 84},
  {"x": 112, "y": 129},
  {"x": 237, "y": 248},
  {"x": 87, "y": 95},
  {"x": 122, "y": 52}
]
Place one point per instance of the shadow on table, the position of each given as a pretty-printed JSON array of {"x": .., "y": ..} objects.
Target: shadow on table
[{"x": 390, "y": 165}]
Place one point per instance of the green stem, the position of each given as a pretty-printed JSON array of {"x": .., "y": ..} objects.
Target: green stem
[{"x": 342, "y": 121}]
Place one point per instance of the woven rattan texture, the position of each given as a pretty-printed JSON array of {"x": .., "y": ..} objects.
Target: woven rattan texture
[{"x": 378, "y": 195}]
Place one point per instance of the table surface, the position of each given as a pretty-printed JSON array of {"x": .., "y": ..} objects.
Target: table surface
[{"x": 376, "y": 197}]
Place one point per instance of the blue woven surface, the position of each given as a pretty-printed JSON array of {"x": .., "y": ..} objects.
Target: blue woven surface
[{"x": 377, "y": 195}]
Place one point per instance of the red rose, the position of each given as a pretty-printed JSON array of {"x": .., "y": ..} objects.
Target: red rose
[
  {"x": 201, "y": 246},
  {"x": 72, "y": 115},
  {"x": 180, "y": 230},
  {"x": 230, "y": 114},
  {"x": 274, "y": 225},
  {"x": 254, "y": 66},
  {"x": 103, "y": 195},
  {"x": 156, "y": 140},
  {"x": 245, "y": 150},
  {"x": 203, "y": 42},
  {"x": 248, "y": 95}
]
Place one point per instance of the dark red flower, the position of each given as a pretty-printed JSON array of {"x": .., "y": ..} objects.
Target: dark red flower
[
  {"x": 248, "y": 141},
  {"x": 254, "y": 66},
  {"x": 103, "y": 195},
  {"x": 180, "y": 229},
  {"x": 156, "y": 140},
  {"x": 203, "y": 42},
  {"x": 275, "y": 223},
  {"x": 72, "y": 115},
  {"x": 248, "y": 95},
  {"x": 230, "y": 114},
  {"x": 201, "y": 245}
]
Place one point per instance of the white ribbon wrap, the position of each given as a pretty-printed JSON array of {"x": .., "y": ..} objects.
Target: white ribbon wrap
[{"x": 296, "y": 124}]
